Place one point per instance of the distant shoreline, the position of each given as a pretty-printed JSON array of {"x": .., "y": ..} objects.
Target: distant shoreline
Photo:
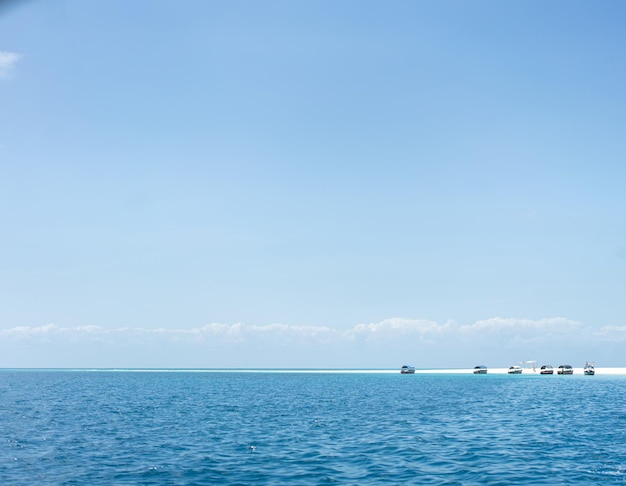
[
  {"x": 418, "y": 371},
  {"x": 527, "y": 371}
]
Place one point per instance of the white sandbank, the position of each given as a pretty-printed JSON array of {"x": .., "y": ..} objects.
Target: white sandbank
[
  {"x": 492, "y": 371},
  {"x": 527, "y": 371}
]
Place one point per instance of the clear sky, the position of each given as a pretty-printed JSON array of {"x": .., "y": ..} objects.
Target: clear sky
[{"x": 312, "y": 183}]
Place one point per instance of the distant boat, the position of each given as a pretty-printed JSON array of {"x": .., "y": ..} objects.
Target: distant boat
[
  {"x": 407, "y": 370},
  {"x": 546, "y": 370},
  {"x": 589, "y": 369},
  {"x": 565, "y": 370},
  {"x": 515, "y": 370},
  {"x": 480, "y": 370}
]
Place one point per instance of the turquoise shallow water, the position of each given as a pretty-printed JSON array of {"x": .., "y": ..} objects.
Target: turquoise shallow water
[{"x": 106, "y": 427}]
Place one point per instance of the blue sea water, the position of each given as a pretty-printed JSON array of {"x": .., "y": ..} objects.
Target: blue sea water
[{"x": 183, "y": 427}]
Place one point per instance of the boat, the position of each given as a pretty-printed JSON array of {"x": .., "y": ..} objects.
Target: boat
[
  {"x": 589, "y": 369},
  {"x": 546, "y": 370},
  {"x": 480, "y": 370},
  {"x": 565, "y": 370},
  {"x": 407, "y": 370},
  {"x": 515, "y": 370}
]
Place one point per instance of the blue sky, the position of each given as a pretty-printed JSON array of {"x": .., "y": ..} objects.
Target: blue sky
[{"x": 312, "y": 183}]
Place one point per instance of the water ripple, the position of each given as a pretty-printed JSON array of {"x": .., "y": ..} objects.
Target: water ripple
[{"x": 273, "y": 428}]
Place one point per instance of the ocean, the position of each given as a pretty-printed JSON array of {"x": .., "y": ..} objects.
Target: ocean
[{"x": 184, "y": 427}]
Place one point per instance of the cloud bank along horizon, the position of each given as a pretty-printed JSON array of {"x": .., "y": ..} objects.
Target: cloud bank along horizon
[{"x": 423, "y": 342}]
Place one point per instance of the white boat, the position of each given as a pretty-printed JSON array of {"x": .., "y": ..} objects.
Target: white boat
[
  {"x": 546, "y": 370},
  {"x": 480, "y": 370},
  {"x": 589, "y": 369},
  {"x": 515, "y": 370},
  {"x": 407, "y": 370},
  {"x": 565, "y": 370}
]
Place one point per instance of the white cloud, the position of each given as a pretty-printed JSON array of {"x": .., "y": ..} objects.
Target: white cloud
[
  {"x": 388, "y": 328},
  {"x": 400, "y": 325},
  {"x": 8, "y": 60},
  {"x": 611, "y": 333},
  {"x": 500, "y": 341},
  {"x": 27, "y": 331},
  {"x": 498, "y": 324}
]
